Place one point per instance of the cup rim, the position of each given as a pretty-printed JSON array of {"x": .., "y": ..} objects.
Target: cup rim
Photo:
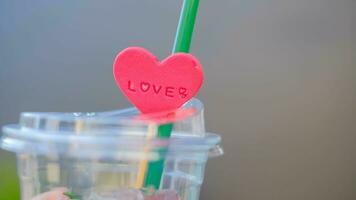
[{"x": 30, "y": 137}]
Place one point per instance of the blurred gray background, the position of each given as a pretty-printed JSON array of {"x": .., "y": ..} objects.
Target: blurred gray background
[{"x": 280, "y": 83}]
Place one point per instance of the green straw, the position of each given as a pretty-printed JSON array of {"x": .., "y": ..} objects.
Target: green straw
[
  {"x": 181, "y": 44},
  {"x": 186, "y": 26}
]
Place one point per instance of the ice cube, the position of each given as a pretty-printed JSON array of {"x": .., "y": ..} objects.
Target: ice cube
[
  {"x": 163, "y": 195},
  {"x": 128, "y": 194},
  {"x": 120, "y": 194}
]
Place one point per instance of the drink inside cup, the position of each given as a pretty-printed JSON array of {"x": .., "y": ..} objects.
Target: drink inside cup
[{"x": 96, "y": 156}]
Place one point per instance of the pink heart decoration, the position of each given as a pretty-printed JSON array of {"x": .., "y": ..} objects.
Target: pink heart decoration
[{"x": 154, "y": 86}]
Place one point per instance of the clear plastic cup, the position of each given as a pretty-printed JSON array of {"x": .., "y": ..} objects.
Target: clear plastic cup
[{"x": 102, "y": 156}]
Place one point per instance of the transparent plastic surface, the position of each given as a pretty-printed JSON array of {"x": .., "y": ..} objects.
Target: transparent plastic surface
[{"x": 97, "y": 156}]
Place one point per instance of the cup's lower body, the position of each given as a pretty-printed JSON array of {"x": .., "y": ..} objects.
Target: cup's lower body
[{"x": 53, "y": 177}]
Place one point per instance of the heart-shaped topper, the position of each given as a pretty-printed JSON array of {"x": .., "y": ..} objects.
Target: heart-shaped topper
[{"x": 154, "y": 86}]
